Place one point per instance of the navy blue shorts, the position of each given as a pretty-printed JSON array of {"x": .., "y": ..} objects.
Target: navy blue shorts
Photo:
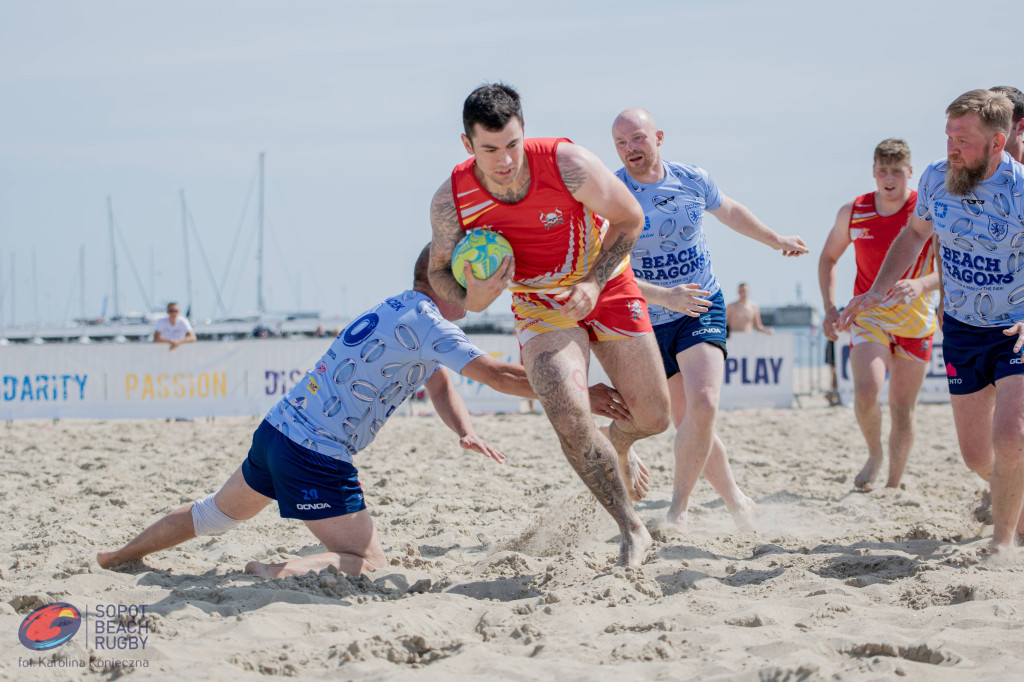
[
  {"x": 976, "y": 357},
  {"x": 676, "y": 336},
  {"x": 307, "y": 485}
]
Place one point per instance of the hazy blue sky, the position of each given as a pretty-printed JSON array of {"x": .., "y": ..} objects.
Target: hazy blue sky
[{"x": 358, "y": 108}]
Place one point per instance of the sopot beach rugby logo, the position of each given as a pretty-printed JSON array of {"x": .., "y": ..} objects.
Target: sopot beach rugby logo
[{"x": 50, "y": 626}]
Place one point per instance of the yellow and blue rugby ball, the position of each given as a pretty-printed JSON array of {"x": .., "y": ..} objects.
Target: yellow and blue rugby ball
[{"x": 484, "y": 249}]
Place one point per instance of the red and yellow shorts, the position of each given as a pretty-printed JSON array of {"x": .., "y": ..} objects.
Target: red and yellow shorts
[
  {"x": 869, "y": 331},
  {"x": 620, "y": 313}
]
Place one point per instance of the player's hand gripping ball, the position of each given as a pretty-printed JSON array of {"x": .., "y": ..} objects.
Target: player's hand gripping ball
[{"x": 484, "y": 249}]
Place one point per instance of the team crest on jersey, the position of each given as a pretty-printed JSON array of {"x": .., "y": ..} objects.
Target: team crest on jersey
[
  {"x": 636, "y": 311},
  {"x": 997, "y": 228},
  {"x": 940, "y": 209},
  {"x": 549, "y": 220},
  {"x": 694, "y": 212}
]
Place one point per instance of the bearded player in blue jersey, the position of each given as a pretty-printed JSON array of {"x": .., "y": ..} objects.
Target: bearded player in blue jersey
[
  {"x": 972, "y": 201},
  {"x": 672, "y": 265},
  {"x": 302, "y": 453}
]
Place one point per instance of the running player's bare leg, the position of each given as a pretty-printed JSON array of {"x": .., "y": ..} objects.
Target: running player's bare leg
[
  {"x": 719, "y": 475},
  {"x": 635, "y": 369},
  {"x": 972, "y": 414},
  {"x": 868, "y": 363},
  {"x": 556, "y": 364},
  {"x": 716, "y": 469},
  {"x": 1008, "y": 473},
  {"x": 352, "y": 544},
  {"x": 701, "y": 372},
  {"x": 235, "y": 499},
  {"x": 905, "y": 378}
]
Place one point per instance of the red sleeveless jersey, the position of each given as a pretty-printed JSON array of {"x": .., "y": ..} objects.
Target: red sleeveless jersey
[
  {"x": 872, "y": 236},
  {"x": 555, "y": 239}
]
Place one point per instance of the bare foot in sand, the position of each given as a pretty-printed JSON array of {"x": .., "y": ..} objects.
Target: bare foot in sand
[
  {"x": 262, "y": 570},
  {"x": 1002, "y": 556},
  {"x": 634, "y": 474},
  {"x": 743, "y": 515},
  {"x": 866, "y": 478},
  {"x": 677, "y": 519},
  {"x": 108, "y": 559},
  {"x": 634, "y": 546}
]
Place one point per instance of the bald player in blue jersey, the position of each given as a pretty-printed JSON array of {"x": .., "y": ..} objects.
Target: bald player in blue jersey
[
  {"x": 302, "y": 453},
  {"x": 672, "y": 265},
  {"x": 973, "y": 201}
]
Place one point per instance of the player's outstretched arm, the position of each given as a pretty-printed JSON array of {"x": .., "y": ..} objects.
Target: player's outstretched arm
[
  {"x": 937, "y": 260},
  {"x": 836, "y": 244},
  {"x": 688, "y": 299},
  {"x": 901, "y": 256},
  {"x": 593, "y": 185},
  {"x": 446, "y": 234},
  {"x": 738, "y": 217},
  {"x": 906, "y": 290},
  {"x": 511, "y": 379},
  {"x": 452, "y": 411}
]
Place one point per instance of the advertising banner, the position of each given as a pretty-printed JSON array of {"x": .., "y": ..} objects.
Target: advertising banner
[{"x": 144, "y": 380}]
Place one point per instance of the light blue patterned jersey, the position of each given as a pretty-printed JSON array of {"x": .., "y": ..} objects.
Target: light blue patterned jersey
[
  {"x": 982, "y": 243},
  {"x": 673, "y": 249},
  {"x": 378, "y": 361}
]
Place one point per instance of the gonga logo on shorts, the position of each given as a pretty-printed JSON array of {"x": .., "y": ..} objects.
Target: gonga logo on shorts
[{"x": 49, "y": 626}]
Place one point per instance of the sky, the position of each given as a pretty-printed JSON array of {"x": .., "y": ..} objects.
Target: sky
[{"x": 357, "y": 107}]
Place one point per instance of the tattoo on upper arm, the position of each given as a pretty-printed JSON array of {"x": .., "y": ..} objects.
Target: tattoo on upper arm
[
  {"x": 444, "y": 221},
  {"x": 444, "y": 218},
  {"x": 573, "y": 174}
]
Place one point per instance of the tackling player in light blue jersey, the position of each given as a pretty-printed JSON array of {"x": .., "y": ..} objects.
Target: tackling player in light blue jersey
[
  {"x": 301, "y": 454},
  {"x": 378, "y": 361},
  {"x": 672, "y": 265},
  {"x": 972, "y": 201}
]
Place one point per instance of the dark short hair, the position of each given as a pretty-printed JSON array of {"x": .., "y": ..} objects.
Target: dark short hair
[
  {"x": 1016, "y": 96},
  {"x": 492, "y": 106},
  {"x": 421, "y": 270}
]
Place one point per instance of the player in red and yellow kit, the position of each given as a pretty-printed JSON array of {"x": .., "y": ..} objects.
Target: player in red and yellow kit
[
  {"x": 897, "y": 336},
  {"x": 571, "y": 224}
]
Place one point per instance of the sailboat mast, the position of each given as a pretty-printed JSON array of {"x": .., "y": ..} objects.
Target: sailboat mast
[
  {"x": 113, "y": 253},
  {"x": 259, "y": 253},
  {"x": 35, "y": 288},
  {"x": 81, "y": 281},
  {"x": 13, "y": 299},
  {"x": 188, "y": 261}
]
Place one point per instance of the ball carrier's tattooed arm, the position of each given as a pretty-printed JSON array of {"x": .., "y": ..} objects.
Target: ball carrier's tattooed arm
[
  {"x": 478, "y": 293},
  {"x": 593, "y": 185}
]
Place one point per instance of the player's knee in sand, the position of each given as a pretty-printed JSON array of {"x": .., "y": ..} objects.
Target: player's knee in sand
[{"x": 208, "y": 519}]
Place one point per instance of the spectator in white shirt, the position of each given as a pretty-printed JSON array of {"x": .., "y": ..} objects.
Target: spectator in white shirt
[{"x": 173, "y": 329}]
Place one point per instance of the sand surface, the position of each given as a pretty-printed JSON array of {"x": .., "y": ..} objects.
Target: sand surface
[{"x": 505, "y": 571}]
